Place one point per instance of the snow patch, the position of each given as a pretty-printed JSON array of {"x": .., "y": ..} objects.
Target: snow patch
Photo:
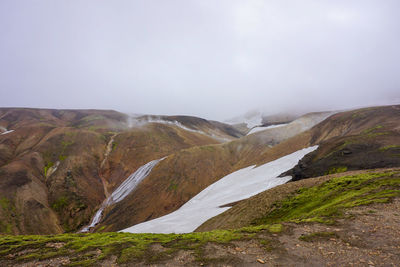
[
  {"x": 7, "y": 132},
  {"x": 52, "y": 169},
  {"x": 123, "y": 190},
  {"x": 251, "y": 119},
  {"x": 176, "y": 123},
  {"x": 259, "y": 129},
  {"x": 236, "y": 186}
]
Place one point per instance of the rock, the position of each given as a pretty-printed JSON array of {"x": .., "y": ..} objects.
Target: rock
[
  {"x": 346, "y": 152},
  {"x": 261, "y": 261}
]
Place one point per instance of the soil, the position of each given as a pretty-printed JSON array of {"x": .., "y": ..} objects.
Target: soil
[{"x": 365, "y": 236}]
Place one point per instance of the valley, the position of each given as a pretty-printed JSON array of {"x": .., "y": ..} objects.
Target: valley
[{"x": 100, "y": 172}]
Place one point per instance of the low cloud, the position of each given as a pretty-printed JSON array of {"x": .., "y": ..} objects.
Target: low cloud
[{"x": 213, "y": 59}]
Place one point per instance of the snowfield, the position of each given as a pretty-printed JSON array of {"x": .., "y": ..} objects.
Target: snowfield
[
  {"x": 7, "y": 132},
  {"x": 236, "y": 186},
  {"x": 251, "y": 119},
  {"x": 260, "y": 128},
  {"x": 123, "y": 190}
]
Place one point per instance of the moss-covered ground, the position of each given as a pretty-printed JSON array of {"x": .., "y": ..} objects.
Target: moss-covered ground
[
  {"x": 87, "y": 249},
  {"x": 327, "y": 201},
  {"x": 323, "y": 203}
]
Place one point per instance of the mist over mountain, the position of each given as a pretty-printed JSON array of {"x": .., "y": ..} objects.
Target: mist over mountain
[
  {"x": 199, "y": 133},
  {"x": 211, "y": 59}
]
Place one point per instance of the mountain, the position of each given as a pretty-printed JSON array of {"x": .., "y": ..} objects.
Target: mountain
[
  {"x": 185, "y": 173},
  {"x": 57, "y": 166},
  {"x": 64, "y": 170}
]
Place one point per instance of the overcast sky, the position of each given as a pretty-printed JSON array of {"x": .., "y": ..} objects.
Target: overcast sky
[{"x": 210, "y": 58}]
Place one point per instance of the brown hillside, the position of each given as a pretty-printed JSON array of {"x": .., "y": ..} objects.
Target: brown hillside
[
  {"x": 185, "y": 173},
  {"x": 57, "y": 165}
]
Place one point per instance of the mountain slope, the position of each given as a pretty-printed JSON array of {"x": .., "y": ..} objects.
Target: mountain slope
[
  {"x": 354, "y": 140},
  {"x": 57, "y": 166},
  {"x": 184, "y": 174}
]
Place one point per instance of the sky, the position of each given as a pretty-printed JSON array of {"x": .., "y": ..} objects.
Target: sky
[{"x": 210, "y": 58}]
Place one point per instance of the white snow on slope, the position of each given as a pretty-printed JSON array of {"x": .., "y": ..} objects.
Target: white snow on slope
[
  {"x": 176, "y": 123},
  {"x": 251, "y": 119},
  {"x": 7, "y": 131},
  {"x": 259, "y": 129},
  {"x": 123, "y": 190},
  {"x": 236, "y": 186}
]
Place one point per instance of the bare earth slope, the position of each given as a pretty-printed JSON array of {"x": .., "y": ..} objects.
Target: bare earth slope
[
  {"x": 361, "y": 139},
  {"x": 185, "y": 173},
  {"x": 57, "y": 166}
]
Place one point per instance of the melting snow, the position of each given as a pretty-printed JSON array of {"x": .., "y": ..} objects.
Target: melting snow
[
  {"x": 177, "y": 123},
  {"x": 123, "y": 190},
  {"x": 7, "y": 132},
  {"x": 259, "y": 129},
  {"x": 238, "y": 185}
]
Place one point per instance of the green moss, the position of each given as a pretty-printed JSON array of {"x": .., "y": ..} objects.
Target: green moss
[
  {"x": 327, "y": 201},
  {"x": 128, "y": 247},
  {"x": 4, "y": 203},
  {"x": 275, "y": 228},
  {"x": 385, "y": 148},
  {"x": 172, "y": 186},
  {"x": 93, "y": 118},
  {"x": 318, "y": 236},
  {"x": 60, "y": 203},
  {"x": 208, "y": 148},
  {"x": 114, "y": 145},
  {"x": 47, "y": 167},
  {"x": 9, "y": 216},
  {"x": 101, "y": 228},
  {"x": 334, "y": 170},
  {"x": 370, "y": 130}
]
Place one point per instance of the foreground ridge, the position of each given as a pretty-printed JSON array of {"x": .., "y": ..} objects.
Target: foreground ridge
[{"x": 335, "y": 229}]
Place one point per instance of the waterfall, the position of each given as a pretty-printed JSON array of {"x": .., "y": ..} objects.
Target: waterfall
[{"x": 122, "y": 191}]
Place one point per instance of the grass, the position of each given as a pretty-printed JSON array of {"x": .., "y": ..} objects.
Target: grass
[
  {"x": 321, "y": 203},
  {"x": 334, "y": 170},
  {"x": 327, "y": 201}
]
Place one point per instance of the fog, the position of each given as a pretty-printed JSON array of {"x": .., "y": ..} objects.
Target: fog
[{"x": 210, "y": 58}]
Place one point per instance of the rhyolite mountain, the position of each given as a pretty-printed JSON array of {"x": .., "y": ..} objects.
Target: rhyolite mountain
[{"x": 58, "y": 166}]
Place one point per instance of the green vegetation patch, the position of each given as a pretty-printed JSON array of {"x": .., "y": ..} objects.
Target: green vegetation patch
[
  {"x": 60, "y": 203},
  {"x": 370, "y": 130},
  {"x": 334, "y": 170},
  {"x": 385, "y": 148},
  {"x": 325, "y": 202},
  {"x": 7, "y": 213},
  {"x": 87, "y": 249},
  {"x": 47, "y": 167}
]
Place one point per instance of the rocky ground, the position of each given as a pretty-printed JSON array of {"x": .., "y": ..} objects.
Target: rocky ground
[
  {"x": 369, "y": 236},
  {"x": 366, "y": 236}
]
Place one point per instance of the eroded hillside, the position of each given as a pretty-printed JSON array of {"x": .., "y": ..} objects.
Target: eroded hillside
[{"x": 57, "y": 166}]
